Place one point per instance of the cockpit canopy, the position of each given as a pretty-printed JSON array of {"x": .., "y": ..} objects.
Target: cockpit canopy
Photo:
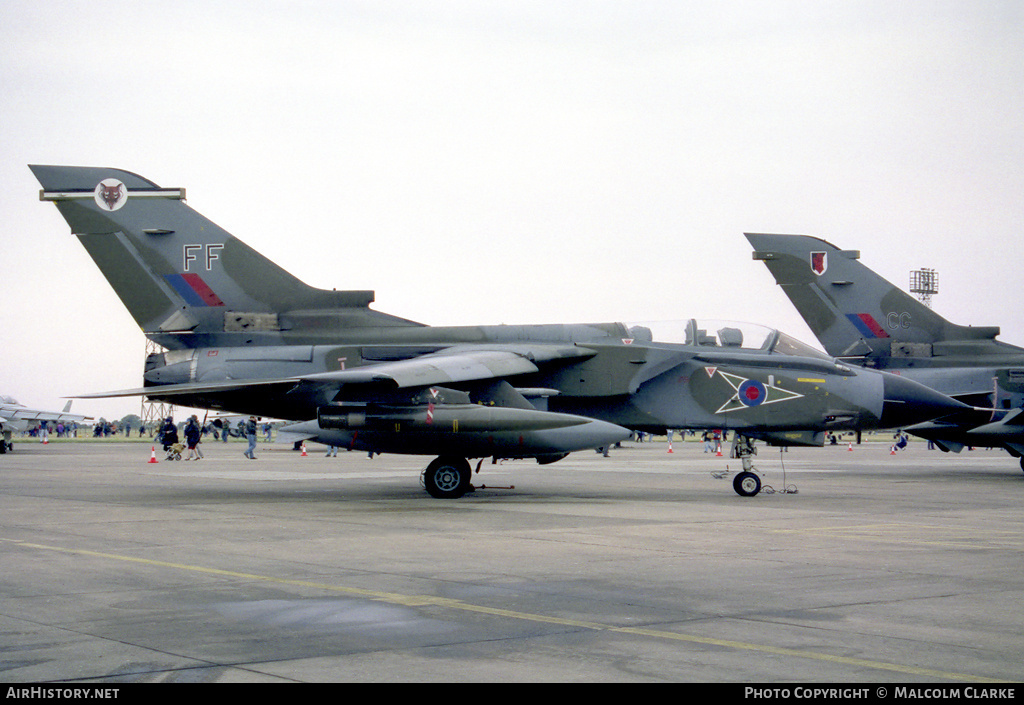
[{"x": 722, "y": 334}]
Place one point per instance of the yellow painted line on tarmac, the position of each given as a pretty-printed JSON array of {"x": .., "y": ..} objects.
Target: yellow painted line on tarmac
[{"x": 458, "y": 605}]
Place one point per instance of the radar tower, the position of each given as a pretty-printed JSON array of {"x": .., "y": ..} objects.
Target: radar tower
[{"x": 924, "y": 283}]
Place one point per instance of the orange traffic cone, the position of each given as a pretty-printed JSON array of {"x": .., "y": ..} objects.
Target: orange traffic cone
[
  {"x": 152, "y": 455},
  {"x": 304, "y": 453},
  {"x": 719, "y": 453},
  {"x": 851, "y": 446},
  {"x": 669, "y": 445}
]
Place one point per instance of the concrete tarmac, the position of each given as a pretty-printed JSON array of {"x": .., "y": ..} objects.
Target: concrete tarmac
[{"x": 642, "y": 566}]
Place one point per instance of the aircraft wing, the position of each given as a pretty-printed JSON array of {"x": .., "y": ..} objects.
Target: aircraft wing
[
  {"x": 434, "y": 369},
  {"x": 452, "y": 365},
  {"x": 189, "y": 388},
  {"x": 10, "y": 412}
]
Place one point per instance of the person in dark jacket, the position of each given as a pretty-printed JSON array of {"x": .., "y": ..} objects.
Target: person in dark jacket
[
  {"x": 193, "y": 434},
  {"x": 250, "y": 434},
  {"x": 168, "y": 433}
]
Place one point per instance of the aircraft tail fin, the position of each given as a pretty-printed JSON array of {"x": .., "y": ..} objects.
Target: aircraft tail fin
[
  {"x": 853, "y": 311},
  {"x": 186, "y": 281}
]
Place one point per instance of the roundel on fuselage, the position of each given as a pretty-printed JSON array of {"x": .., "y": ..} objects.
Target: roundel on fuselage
[{"x": 751, "y": 392}]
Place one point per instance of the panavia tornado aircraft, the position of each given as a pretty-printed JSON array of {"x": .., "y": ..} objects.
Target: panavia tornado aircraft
[
  {"x": 243, "y": 335},
  {"x": 859, "y": 316},
  {"x": 18, "y": 417}
]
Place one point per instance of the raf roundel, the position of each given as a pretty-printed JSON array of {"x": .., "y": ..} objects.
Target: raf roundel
[
  {"x": 751, "y": 392},
  {"x": 110, "y": 194}
]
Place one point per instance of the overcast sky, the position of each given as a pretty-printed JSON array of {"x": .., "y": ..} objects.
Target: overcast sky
[{"x": 514, "y": 162}]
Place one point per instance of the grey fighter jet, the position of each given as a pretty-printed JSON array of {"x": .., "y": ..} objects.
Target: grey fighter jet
[
  {"x": 860, "y": 317},
  {"x": 245, "y": 336},
  {"x": 18, "y": 417}
]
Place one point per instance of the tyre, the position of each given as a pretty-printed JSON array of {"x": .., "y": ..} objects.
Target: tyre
[
  {"x": 746, "y": 484},
  {"x": 447, "y": 478}
]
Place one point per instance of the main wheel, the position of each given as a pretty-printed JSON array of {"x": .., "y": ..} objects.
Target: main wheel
[
  {"x": 746, "y": 484},
  {"x": 447, "y": 478}
]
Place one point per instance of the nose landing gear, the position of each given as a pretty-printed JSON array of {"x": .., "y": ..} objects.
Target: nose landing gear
[{"x": 746, "y": 483}]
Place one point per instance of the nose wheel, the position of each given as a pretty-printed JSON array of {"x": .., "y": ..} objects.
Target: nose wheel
[{"x": 747, "y": 483}]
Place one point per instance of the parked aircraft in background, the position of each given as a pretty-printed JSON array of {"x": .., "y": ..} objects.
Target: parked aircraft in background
[
  {"x": 860, "y": 317},
  {"x": 18, "y": 417},
  {"x": 245, "y": 336}
]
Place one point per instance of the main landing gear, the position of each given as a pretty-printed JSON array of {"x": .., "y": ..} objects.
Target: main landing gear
[
  {"x": 448, "y": 477},
  {"x": 746, "y": 483}
]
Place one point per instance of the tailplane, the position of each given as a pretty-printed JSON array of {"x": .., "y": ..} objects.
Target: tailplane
[
  {"x": 856, "y": 313},
  {"x": 186, "y": 281}
]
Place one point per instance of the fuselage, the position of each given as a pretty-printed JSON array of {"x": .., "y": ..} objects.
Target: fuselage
[{"x": 612, "y": 372}]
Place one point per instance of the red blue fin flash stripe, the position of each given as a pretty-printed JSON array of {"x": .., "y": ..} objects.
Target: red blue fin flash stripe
[
  {"x": 867, "y": 325},
  {"x": 193, "y": 289}
]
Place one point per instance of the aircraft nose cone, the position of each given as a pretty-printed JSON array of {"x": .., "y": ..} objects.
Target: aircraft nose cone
[{"x": 908, "y": 402}]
